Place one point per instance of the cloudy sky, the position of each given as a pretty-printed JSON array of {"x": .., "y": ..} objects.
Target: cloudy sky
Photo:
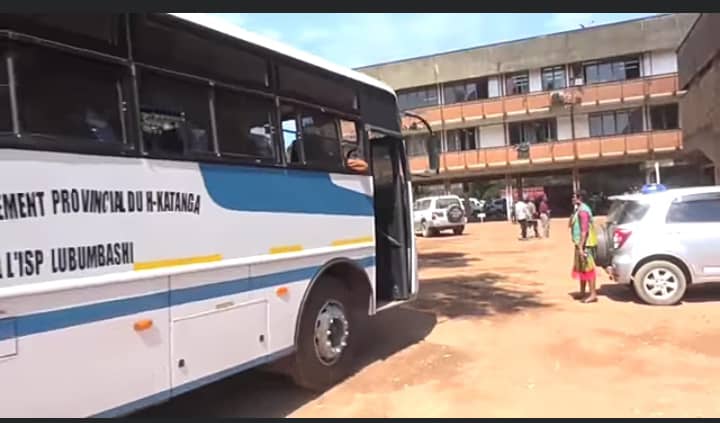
[{"x": 358, "y": 39}]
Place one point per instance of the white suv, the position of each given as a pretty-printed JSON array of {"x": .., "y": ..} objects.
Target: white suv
[{"x": 434, "y": 214}]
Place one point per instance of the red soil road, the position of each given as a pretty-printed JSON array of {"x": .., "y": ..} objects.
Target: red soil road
[{"x": 495, "y": 333}]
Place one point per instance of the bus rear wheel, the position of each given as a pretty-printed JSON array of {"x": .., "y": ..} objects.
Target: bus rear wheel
[{"x": 327, "y": 335}]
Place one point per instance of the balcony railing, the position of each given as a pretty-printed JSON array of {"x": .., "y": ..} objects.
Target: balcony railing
[
  {"x": 583, "y": 96},
  {"x": 555, "y": 152}
]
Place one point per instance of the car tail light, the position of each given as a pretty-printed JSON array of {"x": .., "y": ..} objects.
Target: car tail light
[{"x": 620, "y": 236}]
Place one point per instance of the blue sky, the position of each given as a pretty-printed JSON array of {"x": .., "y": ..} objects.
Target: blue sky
[{"x": 358, "y": 39}]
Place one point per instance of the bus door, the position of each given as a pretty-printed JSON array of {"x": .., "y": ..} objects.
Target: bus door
[{"x": 395, "y": 258}]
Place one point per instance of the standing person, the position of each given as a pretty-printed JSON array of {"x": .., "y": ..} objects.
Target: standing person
[
  {"x": 532, "y": 218},
  {"x": 544, "y": 210},
  {"x": 521, "y": 215},
  {"x": 585, "y": 241}
]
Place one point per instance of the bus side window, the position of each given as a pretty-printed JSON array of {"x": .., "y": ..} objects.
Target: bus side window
[
  {"x": 5, "y": 108},
  {"x": 244, "y": 124},
  {"x": 351, "y": 148},
  {"x": 321, "y": 141},
  {"x": 175, "y": 115},
  {"x": 70, "y": 98},
  {"x": 290, "y": 135}
]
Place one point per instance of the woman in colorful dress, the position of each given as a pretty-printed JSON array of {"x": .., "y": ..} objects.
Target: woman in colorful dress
[{"x": 585, "y": 241}]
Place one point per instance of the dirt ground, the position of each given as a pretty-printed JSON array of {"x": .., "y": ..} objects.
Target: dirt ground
[{"x": 496, "y": 334}]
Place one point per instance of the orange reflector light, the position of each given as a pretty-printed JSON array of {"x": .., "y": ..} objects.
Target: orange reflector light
[
  {"x": 282, "y": 291},
  {"x": 144, "y": 324}
]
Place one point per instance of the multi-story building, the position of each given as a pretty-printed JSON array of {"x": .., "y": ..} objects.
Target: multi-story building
[
  {"x": 699, "y": 74},
  {"x": 595, "y": 108}
]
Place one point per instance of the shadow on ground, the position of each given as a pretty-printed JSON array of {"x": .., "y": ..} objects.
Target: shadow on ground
[
  {"x": 445, "y": 259},
  {"x": 481, "y": 294},
  {"x": 257, "y": 393},
  {"x": 700, "y": 293}
]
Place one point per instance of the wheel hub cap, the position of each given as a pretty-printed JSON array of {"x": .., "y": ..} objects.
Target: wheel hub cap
[
  {"x": 331, "y": 332},
  {"x": 661, "y": 283}
]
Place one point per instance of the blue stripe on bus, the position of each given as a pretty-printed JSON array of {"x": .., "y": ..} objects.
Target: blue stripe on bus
[
  {"x": 281, "y": 191},
  {"x": 46, "y": 321},
  {"x": 7, "y": 328}
]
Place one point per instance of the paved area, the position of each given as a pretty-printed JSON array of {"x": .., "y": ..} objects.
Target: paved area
[{"x": 495, "y": 333}]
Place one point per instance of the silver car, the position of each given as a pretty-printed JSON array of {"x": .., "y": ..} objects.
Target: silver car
[{"x": 662, "y": 242}]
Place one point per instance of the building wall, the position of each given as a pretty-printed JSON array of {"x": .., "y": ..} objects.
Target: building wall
[
  {"x": 492, "y": 136},
  {"x": 663, "y": 62},
  {"x": 494, "y": 86},
  {"x": 662, "y": 32},
  {"x": 535, "y": 81},
  {"x": 582, "y": 126},
  {"x": 564, "y": 128}
]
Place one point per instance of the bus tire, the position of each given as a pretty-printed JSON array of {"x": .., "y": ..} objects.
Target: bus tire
[{"x": 327, "y": 336}]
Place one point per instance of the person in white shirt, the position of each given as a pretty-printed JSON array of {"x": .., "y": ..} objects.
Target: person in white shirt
[{"x": 521, "y": 214}]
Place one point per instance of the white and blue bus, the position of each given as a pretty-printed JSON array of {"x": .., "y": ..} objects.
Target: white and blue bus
[{"x": 181, "y": 200}]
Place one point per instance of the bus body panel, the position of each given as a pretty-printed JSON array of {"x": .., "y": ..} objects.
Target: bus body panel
[{"x": 207, "y": 281}]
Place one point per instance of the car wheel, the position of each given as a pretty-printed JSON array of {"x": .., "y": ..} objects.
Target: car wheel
[
  {"x": 458, "y": 230},
  {"x": 427, "y": 232},
  {"x": 660, "y": 282}
]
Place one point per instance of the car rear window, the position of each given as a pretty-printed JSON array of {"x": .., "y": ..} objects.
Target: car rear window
[
  {"x": 443, "y": 203},
  {"x": 622, "y": 212}
]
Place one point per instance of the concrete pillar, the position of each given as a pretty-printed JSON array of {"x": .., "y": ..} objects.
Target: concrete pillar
[
  {"x": 576, "y": 179},
  {"x": 508, "y": 198}
]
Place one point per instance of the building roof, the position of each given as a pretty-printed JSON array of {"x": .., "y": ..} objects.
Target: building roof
[
  {"x": 660, "y": 32},
  {"x": 220, "y": 25}
]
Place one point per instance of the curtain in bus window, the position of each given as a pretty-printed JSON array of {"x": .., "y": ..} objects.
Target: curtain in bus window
[
  {"x": 320, "y": 139},
  {"x": 78, "y": 100},
  {"x": 175, "y": 114},
  {"x": 289, "y": 116},
  {"x": 244, "y": 124},
  {"x": 5, "y": 108}
]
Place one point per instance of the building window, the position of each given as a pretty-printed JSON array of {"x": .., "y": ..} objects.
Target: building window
[
  {"x": 174, "y": 115},
  {"x": 517, "y": 83},
  {"x": 458, "y": 92},
  {"x": 664, "y": 117},
  {"x": 619, "y": 69},
  {"x": 79, "y": 101},
  {"x": 418, "y": 97},
  {"x": 553, "y": 78},
  {"x": 461, "y": 139},
  {"x": 244, "y": 124},
  {"x": 533, "y": 131},
  {"x": 616, "y": 122},
  {"x": 416, "y": 145}
]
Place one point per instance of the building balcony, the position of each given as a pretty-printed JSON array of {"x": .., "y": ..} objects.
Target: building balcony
[
  {"x": 475, "y": 112},
  {"x": 558, "y": 153}
]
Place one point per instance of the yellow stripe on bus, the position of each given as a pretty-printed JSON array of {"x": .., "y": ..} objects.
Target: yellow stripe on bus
[
  {"x": 156, "y": 264},
  {"x": 285, "y": 249},
  {"x": 341, "y": 242}
]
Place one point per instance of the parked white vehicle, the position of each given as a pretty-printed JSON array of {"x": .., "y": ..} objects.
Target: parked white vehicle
[
  {"x": 663, "y": 242},
  {"x": 434, "y": 214}
]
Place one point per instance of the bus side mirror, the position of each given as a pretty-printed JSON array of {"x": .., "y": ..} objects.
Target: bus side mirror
[{"x": 433, "y": 151}]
